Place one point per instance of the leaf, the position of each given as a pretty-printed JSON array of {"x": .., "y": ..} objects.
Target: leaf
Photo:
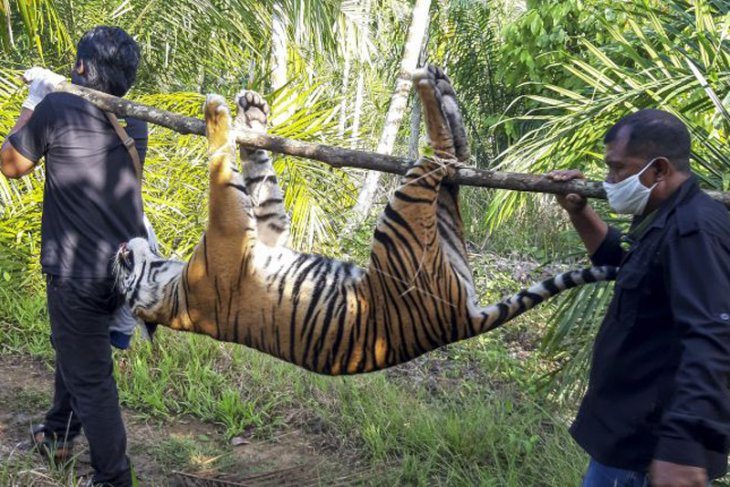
[
  {"x": 670, "y": 55},
  {"x": 708, "y": 89}
]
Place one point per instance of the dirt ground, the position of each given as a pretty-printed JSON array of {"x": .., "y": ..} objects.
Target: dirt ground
[{"x": 178, "y": 452}]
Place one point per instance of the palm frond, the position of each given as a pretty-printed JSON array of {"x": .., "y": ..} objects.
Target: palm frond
[{"x": 670, "y": 55}]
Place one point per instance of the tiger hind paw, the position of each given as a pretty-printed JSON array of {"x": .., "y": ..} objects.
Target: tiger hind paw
[
  {"x": 253, "y": 111},
  {"x": 442, "y": 114}
]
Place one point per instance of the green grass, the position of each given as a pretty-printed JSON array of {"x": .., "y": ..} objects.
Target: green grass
[
  {"x": 23, "y": 321},
  {"x": 20, "y": 470},
  {"x": 473, "y": 413},
  {"x": 180, "y": 454},
  {"x": 473, "y": 437},
  {"x": 451, "y": 432}
]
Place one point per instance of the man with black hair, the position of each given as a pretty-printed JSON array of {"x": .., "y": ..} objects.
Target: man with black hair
[
  {"x": 657, "y": 408},
  {"x": 91, "y": 203}
]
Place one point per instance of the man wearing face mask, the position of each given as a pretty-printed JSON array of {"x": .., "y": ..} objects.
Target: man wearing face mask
[
  {"x": 91, "y": 203},
  {"x": 657, "y": 408}
]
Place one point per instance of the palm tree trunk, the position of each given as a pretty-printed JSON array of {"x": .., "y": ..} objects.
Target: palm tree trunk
[
  {"x": 415, "y": 129},
  {"x": 345, "y": 84},
  {"x": 360, "y": 90},
  {"x": 398, "y": 102},
  {"x": 279, "y": 54},
  {"x": 9, "y": 25},
  {"x": 280, "y": 59},
  {"x": 347, "y": 48},
  {"x": 357, "y": 111}
]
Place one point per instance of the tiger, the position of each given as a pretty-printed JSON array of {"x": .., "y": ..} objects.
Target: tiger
[{"x": 243, "y": 284}]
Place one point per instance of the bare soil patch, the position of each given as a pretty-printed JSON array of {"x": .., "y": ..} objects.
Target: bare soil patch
[{"x": 176, "y": 452}]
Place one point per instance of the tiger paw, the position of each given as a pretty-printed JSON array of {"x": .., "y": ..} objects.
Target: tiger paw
[
  {"x": 450, "y": 107},
  {"x": 217, "y": 122},
  {"x": 253, "y": 111},
  {"x": 442, "y": 114}
]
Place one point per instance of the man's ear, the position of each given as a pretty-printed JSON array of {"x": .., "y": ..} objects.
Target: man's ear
[{"x": 663, "y": 168}]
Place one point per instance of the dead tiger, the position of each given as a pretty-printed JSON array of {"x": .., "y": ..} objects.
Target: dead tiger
[{"x": 244, "y": 285}]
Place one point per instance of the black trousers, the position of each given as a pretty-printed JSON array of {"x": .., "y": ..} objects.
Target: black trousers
[{"x": 85, "y": 392}]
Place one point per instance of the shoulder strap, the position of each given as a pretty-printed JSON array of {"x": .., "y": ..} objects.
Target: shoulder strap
[{"x": 128, "y": 143}]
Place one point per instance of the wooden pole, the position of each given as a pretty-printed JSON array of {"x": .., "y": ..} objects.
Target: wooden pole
[{"x": 341, "y": 157}]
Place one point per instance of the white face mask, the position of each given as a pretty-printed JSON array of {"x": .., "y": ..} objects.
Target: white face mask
[{"x": 629, "y": 196}]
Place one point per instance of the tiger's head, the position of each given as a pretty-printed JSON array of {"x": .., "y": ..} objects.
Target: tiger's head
[{"x": 144, "y": 278}]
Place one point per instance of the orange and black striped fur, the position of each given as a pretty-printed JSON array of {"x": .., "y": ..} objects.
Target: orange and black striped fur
[{"x": 244, "y": 285}]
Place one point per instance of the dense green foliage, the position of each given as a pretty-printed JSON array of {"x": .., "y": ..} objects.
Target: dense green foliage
[{"x": 668, "y": 55}]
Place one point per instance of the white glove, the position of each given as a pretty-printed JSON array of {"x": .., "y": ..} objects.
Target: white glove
[{"x": 42, "y": 81}]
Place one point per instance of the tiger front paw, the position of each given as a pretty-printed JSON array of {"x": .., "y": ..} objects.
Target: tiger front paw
[{"x": 217, "y": 122}]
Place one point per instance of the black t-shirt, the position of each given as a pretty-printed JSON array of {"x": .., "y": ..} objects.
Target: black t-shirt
[{"x": 92, "y": 201}]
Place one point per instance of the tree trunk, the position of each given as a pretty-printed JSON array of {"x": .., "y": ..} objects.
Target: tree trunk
[
  {"x": 279, "y": 53},
  {"x": 357, "y": 112},
  {"x": 360, "y": 90},
  {"x": 345, "y": 79},
  {"x": 416, "y": 110},
  {"x": 415, "y": 129},
  {"x": 398, "y": 102}
]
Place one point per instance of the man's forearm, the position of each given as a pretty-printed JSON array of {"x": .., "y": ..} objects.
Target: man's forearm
[
  {"x": 12, "y": 163},
  {"x": 590, "y": 227}
]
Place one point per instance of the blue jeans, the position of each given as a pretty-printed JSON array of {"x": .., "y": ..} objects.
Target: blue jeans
[{"x": 599, "y": 475}]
